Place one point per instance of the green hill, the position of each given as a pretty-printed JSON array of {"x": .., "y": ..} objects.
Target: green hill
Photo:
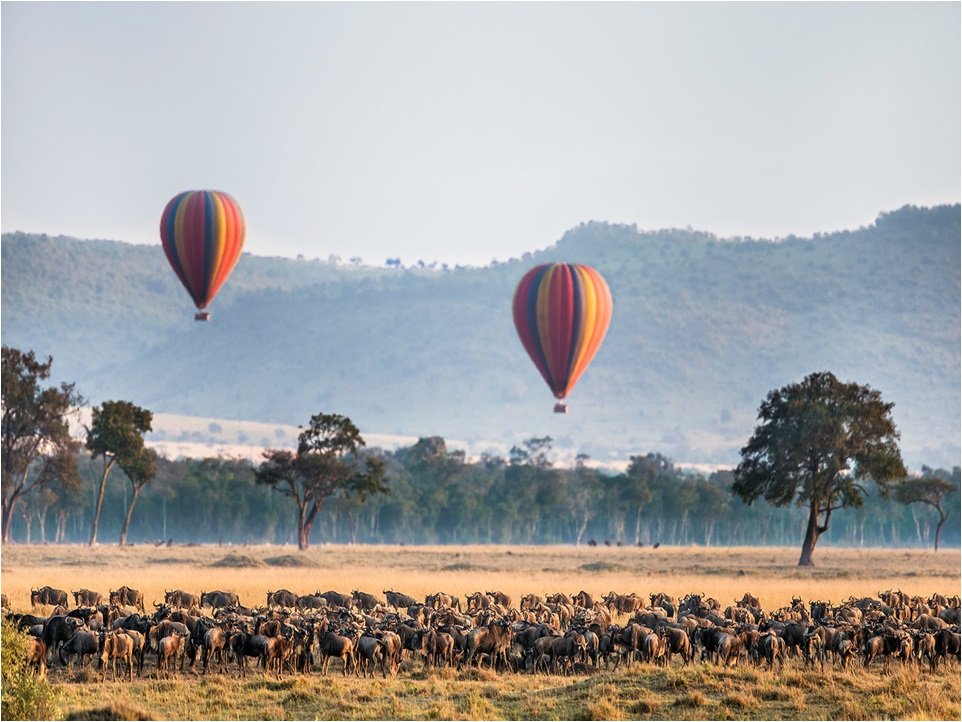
[{"x": 702, "y": 329}]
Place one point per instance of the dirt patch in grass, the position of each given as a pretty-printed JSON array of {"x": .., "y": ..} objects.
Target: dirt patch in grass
[
  {"x": 238, "y": 561},
  {"x": 463, "y": 567},
  {"x": 600, "y": 567},
  {"x": 288, "y": 560},
  {"x": 113, "y": 711},
  {"x": 170, "y": 560}
]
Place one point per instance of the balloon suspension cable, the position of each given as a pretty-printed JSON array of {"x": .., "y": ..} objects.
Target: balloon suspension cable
[
  {"x": 561, "y": 408},
  {"x": 202, "y": 316}
]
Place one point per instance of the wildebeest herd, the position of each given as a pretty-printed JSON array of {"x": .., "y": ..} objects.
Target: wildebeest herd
[{"x": 559, "y": 634}]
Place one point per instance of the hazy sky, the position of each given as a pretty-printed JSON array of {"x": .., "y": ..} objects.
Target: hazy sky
[{"x": 464, "y": 132}]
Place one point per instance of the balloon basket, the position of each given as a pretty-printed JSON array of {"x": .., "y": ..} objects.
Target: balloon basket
[
  {"x": 561, "y": 408},
  {"x": 202, "y": 316}
]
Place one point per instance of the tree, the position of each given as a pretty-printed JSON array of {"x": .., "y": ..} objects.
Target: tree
[
  {"x": 928, "y": 489},
  {"x": 35, "y": 431},
  {"x": 116, "y": 435},
  {"x": 325, "y": 465},
  {"x": 62, "y": 485},
  {"x": 584, "y": 488},
  {"x": 532, "y": 479},
  {"x": 818, "y": 440},
  {"x": 140, "y": 471},
  {"x": 644, "y": 478}
]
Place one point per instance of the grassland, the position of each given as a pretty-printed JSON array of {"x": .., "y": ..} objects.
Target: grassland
[{"x": 640, "y": 692}]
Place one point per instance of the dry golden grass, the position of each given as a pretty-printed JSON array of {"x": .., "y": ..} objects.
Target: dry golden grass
[{"x": 769, "y": 573}]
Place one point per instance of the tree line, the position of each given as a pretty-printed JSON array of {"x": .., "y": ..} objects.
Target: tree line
[{"x": 332, "y": 488}]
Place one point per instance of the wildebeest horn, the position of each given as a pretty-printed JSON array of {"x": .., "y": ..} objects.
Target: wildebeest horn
[{"x": 157, "y": 605}]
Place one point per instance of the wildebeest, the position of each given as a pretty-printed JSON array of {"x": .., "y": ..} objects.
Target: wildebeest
[
  {"x": 218, "y": 599},
  {"x": 168, "y": 650},
  {"x": 399, "y": 600},
  {"x": 665, "y": 601},
  {"x": 677, "y": 642},
  {"x": 364, "y": 601},
  {"x": 127, "y": 597},
  {"x": 502, "y": 599},
  {"x": 653, "y": 649},
  {"x": 493, "y": 640},
  {"x": 310, "y": 601},
  {"x": 370, "y": 654},
  {"x": 282, "y": 598},
  {"x": 771, "y": 648},
  {"x": 437, "y": 648},
  {"x": 391, "y": 645},
  {"x": 37, "y": 656},
  {"x": 117, "y": 645},
  {"x": 947, "y": 644},
  {"x": 478, "y": 601},
  {"x": 563, "y": 652},
  {"x": 337, "y": 599},
  {"x": 165, "y": 629},
  {"x": 179, "y": 599},
  {"x": 441, "y": 600},
  {"x": 48, "y": 596},
  {"x": 276, "y": 652},
  {"x": 83, "y": 644},
  {"x": 623, "y": 603},
  {"x": 333, "y": 645},
  {"x": 57, "y": 630},
  {"x": 216, "y": 641},
  {"x": 244, "y": 645},
  {"x": 87, "y": 598}
]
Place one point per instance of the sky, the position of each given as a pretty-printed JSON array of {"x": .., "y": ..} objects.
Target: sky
[{"x": 469, "y": 132}]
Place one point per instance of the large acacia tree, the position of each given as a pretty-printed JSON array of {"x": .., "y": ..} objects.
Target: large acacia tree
[
  {"x": 37, "y": 447},
  {"x": 327, "y": 463},
  {"x": 817, "y": 442}
]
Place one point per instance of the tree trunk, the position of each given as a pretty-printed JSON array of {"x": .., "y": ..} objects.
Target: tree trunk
[
  {"x": 61, "y": 526},
  {"x": 580, "y": 527},
  {"x": 130, "y": 514},
  {"x": 42, "y": 518},
  {"x": 305, "y": 523},
  {"x": 811, "y": 536},
  {"x": 9, "y": 504},
  {"x": 27, "y": 519},
  {"x": 938, "y": 528},
  {"x": 100, "y": 502}
]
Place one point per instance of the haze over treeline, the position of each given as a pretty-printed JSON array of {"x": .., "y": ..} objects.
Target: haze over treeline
[
  {"x": 436, "y": 496},
  {"x": 702, "y": 329}
]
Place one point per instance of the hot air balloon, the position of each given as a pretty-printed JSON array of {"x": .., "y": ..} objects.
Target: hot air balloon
[
  {"x": 203, "y": 235},
  {"x": 562, "y": 312}
]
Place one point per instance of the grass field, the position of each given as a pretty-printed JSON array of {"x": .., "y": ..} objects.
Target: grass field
[{"x": 640, "y": 692}]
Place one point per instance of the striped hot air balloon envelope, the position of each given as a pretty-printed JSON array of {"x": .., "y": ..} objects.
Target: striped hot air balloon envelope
[
  {"x": 203, "y": 236},
  {"x": 562, "y": 312}
]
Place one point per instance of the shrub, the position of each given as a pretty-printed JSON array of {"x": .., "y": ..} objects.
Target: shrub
[{"x": 24, "y": 695}]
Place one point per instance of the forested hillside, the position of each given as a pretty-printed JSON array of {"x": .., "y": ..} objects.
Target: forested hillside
[{"x": 702, "y": 329}]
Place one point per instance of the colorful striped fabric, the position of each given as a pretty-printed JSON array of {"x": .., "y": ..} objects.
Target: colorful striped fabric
[
  {"x": 562, "y": 312},
  {"x": 203, "y": 236}
]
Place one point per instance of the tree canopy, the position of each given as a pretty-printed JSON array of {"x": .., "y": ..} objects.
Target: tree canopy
[
  {"x": 818, "y": 441},
  {"x": 327, "y": 463},
  {"x": 116, "y": 435},
  {"x": 932, "y": 490},
  {"x": 36, "y": 433}
]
